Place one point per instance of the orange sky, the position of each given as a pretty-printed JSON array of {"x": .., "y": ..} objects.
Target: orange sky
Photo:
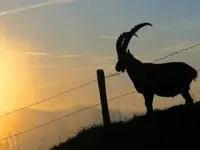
[{"x": 46, "y": 49}]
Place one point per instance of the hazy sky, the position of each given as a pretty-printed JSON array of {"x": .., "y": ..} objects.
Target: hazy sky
[{"x": 51, "y": 46}]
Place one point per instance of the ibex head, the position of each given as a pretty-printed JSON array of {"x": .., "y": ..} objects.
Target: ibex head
[{"x": 122, "y": 44}]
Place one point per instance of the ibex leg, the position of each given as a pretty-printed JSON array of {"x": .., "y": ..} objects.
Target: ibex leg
[
  {"x": 188, "y": 99},
  {"x": 149, "y": 102}
]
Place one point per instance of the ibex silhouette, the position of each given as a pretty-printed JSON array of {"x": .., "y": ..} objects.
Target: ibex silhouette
[{"x": 165, "y": 80}]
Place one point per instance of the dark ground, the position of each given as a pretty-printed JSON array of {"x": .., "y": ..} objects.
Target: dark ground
[{"x": 175, "y": 128}]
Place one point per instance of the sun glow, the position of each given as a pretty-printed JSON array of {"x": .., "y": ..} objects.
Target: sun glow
[
  {"x": 16, "y": 81},
  {"x": 16, "y": 76}
]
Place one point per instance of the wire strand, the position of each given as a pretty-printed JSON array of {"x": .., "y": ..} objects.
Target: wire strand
[
  {"x": 49, "y": 122},
  {"x": 177, "y": 52},
  {"x": 62, "y": 117},
  {"x": 161, "y": 58},
  {"x": 47, "y": 99},
  {"x": 66, "y": 116},
  {"x": 85, "y": 84}
]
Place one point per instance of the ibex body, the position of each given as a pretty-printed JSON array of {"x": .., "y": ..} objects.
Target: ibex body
[{"x": 165, "y": 80}]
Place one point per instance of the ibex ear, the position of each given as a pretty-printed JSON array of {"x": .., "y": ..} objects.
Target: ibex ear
[{"x": 128, "y": 51}]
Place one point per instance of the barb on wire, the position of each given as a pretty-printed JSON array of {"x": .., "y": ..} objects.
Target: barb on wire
[
  {"x": 49, "y": 122},
  {"x": 126, "y": 94},
  {"x": 166, "y": 56},
  {"x": 107, "y": 76},
  {"x": 47, "y": 99},
  {"x": 66, "y": 116},
  {"x": 62, "y": 117},
  {"x": 111, "y": 75},
  {"x": 52, "y": 97},
  {"x": 177, "y": 52}
]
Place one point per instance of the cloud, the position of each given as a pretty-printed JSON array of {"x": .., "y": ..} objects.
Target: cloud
[
  {"x": 22, "y": 9},
  {"x": 13, "y": 52},
  {"x": 69, "y": 56},
  {"x": 33, "y": 53}
]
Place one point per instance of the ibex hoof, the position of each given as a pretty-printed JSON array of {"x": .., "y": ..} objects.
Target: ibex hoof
[{"x": 149, "y": 112}]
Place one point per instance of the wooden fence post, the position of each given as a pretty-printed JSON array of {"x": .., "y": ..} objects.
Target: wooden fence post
[{"x": 103, "y": 97}]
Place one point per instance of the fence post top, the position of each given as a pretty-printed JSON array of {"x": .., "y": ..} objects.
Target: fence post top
[{"x": 99, "y": 70}]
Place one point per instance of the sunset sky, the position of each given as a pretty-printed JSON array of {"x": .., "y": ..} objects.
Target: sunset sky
[{"x": 47, "y": 47}]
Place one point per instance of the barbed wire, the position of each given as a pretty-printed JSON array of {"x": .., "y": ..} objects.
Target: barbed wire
[
  {"x": 90, "y": 82},
  {"x": 49, "y": 122},
  {"x": 112, "y": 75},
  {"x": 52, "y": 97},
  {"x": 62, "y": 117},
  {"x": 164, "y": 57},
  {"x": 177, "y": 52},
  {"x": 123, "y": 95},
  {"x": 47, "y": 99},
  {"x": 129, "y": 93},
  {"x": 66, "y": 116}
]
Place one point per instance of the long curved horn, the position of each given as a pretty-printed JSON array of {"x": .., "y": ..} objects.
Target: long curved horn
[
  {"x": 120, "y": 39},
  {"x": 133, "y": 32}
]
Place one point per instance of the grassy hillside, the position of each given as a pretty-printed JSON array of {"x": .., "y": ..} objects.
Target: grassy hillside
[{"x": 164, "y": 129}]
